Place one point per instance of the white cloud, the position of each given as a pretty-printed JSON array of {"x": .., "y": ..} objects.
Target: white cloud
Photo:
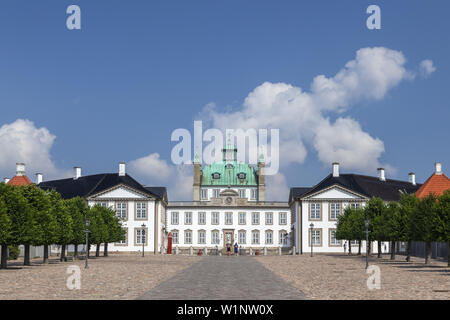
[
  {"x": 302, "y": 116},
  {"x": 426, "y": 68},
  {"x": 151, "y": 167},
  {"x": 22, "y": 141},
  {"x": 277, "y": 188}
]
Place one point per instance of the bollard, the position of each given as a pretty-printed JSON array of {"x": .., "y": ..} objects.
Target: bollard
[
  {"x": 176, "y": 250},
  {"x": 206, "y": 251},
  {"x": 251, "y": 252},
  {"x": 265, "y": 251},
  {"x": 190, "y": 251},
  {"x": 279, "y": 251},
  {"x": 293, "y": 250}
]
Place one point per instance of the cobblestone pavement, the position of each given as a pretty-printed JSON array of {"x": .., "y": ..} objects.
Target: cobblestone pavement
[
  {"x": 119, "y": 276},
  {"x": 344, "y": 277},
  {"x": 225, "y": 278}
]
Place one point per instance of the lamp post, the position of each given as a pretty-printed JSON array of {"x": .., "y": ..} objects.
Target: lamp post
[
  {"x": 311, "y": 231},
  {"x": 366, "y": 223},
  {"x": 143, "y": 237},
  {"x": 87, "y": 223}
]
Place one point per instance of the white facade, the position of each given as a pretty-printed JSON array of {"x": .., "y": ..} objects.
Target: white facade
[
  {"x": 322, "y": 209},
  {"x": 253, "y": 227},
  {"x": 134, "y": 209}
]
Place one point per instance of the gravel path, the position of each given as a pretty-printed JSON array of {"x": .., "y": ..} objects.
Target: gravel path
[
  {"x": 343, "y": 277},
  {"x": 225, "y": 278},
  {"x": 118, "y": 276}
]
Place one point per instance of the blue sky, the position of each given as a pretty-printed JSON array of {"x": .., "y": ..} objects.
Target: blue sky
[{"x": 116, "y": 89}]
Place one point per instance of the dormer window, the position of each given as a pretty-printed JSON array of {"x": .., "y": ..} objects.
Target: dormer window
[
  {"x": 229, "y": 166},
  {"x": 216, "y": 175},
  {"x": 241, "y": 175}
]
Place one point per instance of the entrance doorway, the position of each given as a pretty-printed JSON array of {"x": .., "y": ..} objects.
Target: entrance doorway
[{"x": 228, "y": 238}]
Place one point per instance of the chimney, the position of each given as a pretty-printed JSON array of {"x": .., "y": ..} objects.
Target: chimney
[
  {"x": 335, "y": 169},
  {"x": 77, "y": 173},
  {"x": 38, "y": 178},
  {"x": 20, "y": 169},
  {"x": 438, "y": 168},
  {"x": 6, "y": 180},
  {"x": 412, "y": 178},
  {"x": 122, "y": 169},
  {"x": 381, "y": 175}
]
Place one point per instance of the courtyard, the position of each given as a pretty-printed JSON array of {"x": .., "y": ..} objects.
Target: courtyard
[{"x": 130, "y": 276}]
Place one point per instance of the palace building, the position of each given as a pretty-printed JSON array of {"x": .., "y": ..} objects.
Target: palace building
[{"x": 229, "y": 207}]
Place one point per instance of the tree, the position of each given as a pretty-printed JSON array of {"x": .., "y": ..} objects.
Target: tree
[
  {"x": 392, "y": 225},
  {"x": 64, "y": 234},
  {"x": 78, "y": 211},
  {"x": 423, "y": 223},
  {"x": 409, "y": 204},
  {"x": 41, "y": 204},
  {"x": 98, "y": 230},
  {"x": 114, "y": 227},
  {"x": 357, "y": 226},
  {"x": 374, "y": 211},
  {"x": 442, "y": 221},
  {"x": 343, "y": 227},
  {"x": 5, "y": 233}
]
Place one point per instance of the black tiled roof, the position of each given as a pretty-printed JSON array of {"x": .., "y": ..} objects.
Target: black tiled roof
[
  {"x": 161, "y": 192},
  {"x": 389, "y": 190},
  {"x": 297, "y": 192},
  {"x": 88, "y": 185}
]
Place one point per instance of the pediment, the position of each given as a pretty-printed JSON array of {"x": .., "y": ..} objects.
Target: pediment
[
  {"x": 335, "y": 192},
  {"x": 120, "y": 192}
]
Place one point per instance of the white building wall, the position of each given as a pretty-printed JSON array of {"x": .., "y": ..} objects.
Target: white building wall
[{"x": 262, "y": 227}]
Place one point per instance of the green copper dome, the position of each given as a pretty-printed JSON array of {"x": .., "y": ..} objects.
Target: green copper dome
[{"x": 229, "y": 171}]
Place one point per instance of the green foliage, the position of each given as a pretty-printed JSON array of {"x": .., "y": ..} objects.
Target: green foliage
[
  {"x": 59, "y": 209},
  {"x": 113, "y": 225},
  {"x": 350, "y": 225},
  {"x": 98, "y": 229},
  {"x": 442, "y": 218},
  {"x": 14, "y": 252},
  {"x": 423, "y": 220},
  {"x": 5, "y": 224},
  {"x": 78, "y": 209}
]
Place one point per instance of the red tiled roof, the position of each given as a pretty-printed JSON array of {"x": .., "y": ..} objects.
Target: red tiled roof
[
  {"x": 435, "y": 184},
  {"x": 19, "y": 181}
]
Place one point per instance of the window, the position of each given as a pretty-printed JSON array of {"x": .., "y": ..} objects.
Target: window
[
  {"x": 140, "y": 236},
  {"x": 204, "y": 194},
  {"x": 255, "y": 218},
  {"x": 335, "y": 210},
  {"x": 202, "y": 237},
  {"x": 269, "y": 218},
  {"x": 241, "y": 237},
  {"x": 202, "y": 218},
  {"x": 355, "y": 205},
  {"x": 188, "y": 218},
  {"x": 283, "y": 237},
  {"x": 354, "y": 242},
  {"x": 216, "y": 193},
  {"x": 141, "y": 210},
  {"x": 255, "y": 237},
  {"x": 316, "y": 237},
  {"x": 242, "y": 218},
  {"x": 253, "y": 194},
  {"x": 269, "y": 237},
  {"x": 241, "y": 175},
  {"x": 188, "y": 237},
  {"x": 175, "y": 237},
  {"x": 215, "y": 237},
  {"x": 228, "y": 217},
  {"x": 314, "y": 211},
  {"x": 124, "y": 241},
  {"x": 174, "y": 217},
  {"x": 333, "y": 240},
  {"x": 242, "y": 193},
  {"x": 216, "y": 175},
  {"x": 215, "y": 218},
  {"x": 283, "y": 218},
  {"x": 103, "y": 204},
  {"x": 121, "y": 210}
]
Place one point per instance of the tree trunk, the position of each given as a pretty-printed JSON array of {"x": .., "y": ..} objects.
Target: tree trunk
[
  {"x": 105, "y": 250},
  {"x": 427, "y": 252},
  {"x": 359, "y": 247},
  {"x": 75, "y": 251},
  {"x": 448, "y": 254},
  {"x": 393, "y": 250},
  {"x": 408, "y": 251},
  {"x": 379, "y": 249},
  {"x": 97, "y": 250},
  {"x": 4, "y": 259},
  {"x": 45, "y": 254},
  {"x": 349, "y": 247},
  {"x": 26, "y": 255},
  {"x": 63, "y": 253}
]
